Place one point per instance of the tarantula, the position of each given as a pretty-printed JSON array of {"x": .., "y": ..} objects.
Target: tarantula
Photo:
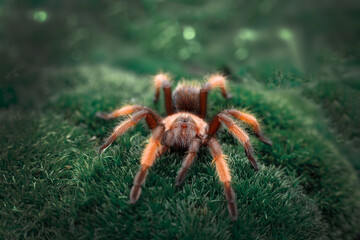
[{"x": 184, "y": 128}]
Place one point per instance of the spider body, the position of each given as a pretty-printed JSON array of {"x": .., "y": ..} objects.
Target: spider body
[
  {"x": 184, "y": 127},
  {"x": 181, "y": 128}
]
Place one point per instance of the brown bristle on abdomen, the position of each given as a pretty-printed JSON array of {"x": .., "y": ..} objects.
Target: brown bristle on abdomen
[{"x": 186, "y": 98}]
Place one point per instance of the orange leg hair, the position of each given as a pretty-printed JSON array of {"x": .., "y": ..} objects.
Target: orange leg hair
[
  {"x": 251, "y": 120},
  {"x": 240, "y": 134},
  {"x": 224, "y": 176},
  {"x": 163, "y": 80},
  {"x": 161, "y": 150},
  {"x": 214, "y": 81},
  {"x": 189, "y": 159},
  {"x": 152, "y": 119},
  {"x": 150, "y": 153},
  {"x": 128, "y": 109}
]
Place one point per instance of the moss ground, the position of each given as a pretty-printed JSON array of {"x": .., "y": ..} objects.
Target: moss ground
[{"x": 56, "y": 186}]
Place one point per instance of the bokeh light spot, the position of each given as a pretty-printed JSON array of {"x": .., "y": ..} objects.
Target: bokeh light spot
[
  {"x": 40, "y": 16},
  {"x": 285, "y": 34},
  {"x": 184, "y": 54},
  {"x": 241, "y": 54},
  {"x": 194, "y": 47},
  {"x": 247, "y": 34},
  {"x": 189, "y": 33},
  {"x": 165, "y": 38}
]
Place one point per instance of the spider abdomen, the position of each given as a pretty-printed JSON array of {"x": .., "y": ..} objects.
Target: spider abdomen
[{"x": 186, "y": 98}]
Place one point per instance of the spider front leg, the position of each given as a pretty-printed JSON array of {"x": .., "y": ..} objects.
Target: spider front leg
[
  {"x": 189, "y": 159},
  {"x": 213, "y": 82},
  {"x": 151, "y": 118},
  {"x": 239, "y": 133},
  {"x": 251, "y": 120},
  {"x": 163, "y": 80},
  {"x": 128, "y": 109},
  {"x": 224, "y": 176},
  {"x": 149, "y": 155}
]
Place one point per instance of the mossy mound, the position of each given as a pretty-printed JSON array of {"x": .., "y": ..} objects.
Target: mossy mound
[{"x": 54, "y": 184}]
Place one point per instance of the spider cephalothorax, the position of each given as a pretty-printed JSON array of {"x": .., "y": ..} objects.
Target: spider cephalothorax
[{"x": 184, "y": 127}]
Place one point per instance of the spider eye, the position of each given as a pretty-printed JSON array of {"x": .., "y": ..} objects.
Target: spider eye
[{"x": 184, "y": 120}]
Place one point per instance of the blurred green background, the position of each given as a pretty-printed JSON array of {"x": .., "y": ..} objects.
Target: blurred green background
[{"x": 295, "y": 64}]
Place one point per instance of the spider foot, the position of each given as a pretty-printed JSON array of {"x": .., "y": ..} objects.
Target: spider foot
[
  {"x": 266, "y": 140},
  {"x": 233, "y": 211},
  {"x": 102, "y": 115},
  {"x": 254, "y": 165},
  {"x": 135, "y": 193},
  {"x": 250, "y": 155},
  {"x": 106, "y": 144},
  {"x": 103, "y": 148},
  {"x": 231, "y": 201},
  {"x": 181, "y": 177}
]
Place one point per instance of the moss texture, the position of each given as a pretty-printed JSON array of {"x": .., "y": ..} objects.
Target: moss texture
[{"x": 56, "y": 186}]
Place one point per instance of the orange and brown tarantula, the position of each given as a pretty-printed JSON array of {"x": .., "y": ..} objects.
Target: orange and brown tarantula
[{"x": 184, "y": 128}]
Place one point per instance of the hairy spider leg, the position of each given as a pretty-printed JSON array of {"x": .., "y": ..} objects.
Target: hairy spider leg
[
  {"x": 163, "y": 80},
  {"x": 161, "y": 150},
  {"x": 224, "y": 176},
  {"x": 239, "y": 133},
  {"x": 251, "y": 120},
  {"x": 189, "y": 159},
  {"x": 214, "y": 81},
  {"x": 149, "y": 155},
  {"x": 151, "y": 118},
  {"x": 125, "y": 110}
]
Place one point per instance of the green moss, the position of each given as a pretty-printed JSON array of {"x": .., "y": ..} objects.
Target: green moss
[
  {"x": 59, "y": 185},
  {"x": 37, "y": 157},
  {"x": 338, "y": 101}
]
